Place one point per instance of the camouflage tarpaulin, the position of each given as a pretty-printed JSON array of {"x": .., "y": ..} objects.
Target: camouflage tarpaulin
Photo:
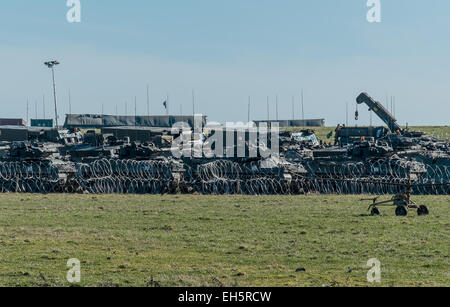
[
  {"x": 294, "y": 123},
  {"x": 99, "y": 121},
  {"x": 18, "y": 133},
  {"x": 141, "y": 134}
]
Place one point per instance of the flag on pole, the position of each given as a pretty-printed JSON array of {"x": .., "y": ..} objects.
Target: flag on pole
[{"x": 165, "y": 104}]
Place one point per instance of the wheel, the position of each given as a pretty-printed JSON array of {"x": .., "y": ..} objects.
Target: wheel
[
  {"x": 423, "y": 210},
  {"x": 375, "y": 211},
  {"x": 401, "y": 211}
]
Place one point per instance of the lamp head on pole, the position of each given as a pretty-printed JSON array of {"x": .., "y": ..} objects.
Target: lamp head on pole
[{"x": 50, "y": 64}]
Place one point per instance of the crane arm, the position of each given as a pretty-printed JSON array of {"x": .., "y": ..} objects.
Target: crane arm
[{"x": 380, "y": 110}]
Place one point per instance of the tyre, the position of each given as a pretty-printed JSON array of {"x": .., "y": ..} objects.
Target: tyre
[
  {"x": 401, "y": 211},
  {"x": 423, "y": 210},
  {"x": 374, "y": 211}
]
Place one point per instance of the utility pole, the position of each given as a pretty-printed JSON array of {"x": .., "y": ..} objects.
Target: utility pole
[
  {"x": 126, "y": 108},
  {"x": 135, "y": 110},
  {"x": 51, "y": 65},
  {"x": 268, "y": 109},
  {"x": 35, "y": 109}
]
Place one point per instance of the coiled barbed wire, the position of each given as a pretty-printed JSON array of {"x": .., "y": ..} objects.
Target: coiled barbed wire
[{"x": 112, "y": 176}]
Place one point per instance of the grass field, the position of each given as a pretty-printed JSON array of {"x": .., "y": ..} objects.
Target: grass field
[{"x": 219, "y": 241}]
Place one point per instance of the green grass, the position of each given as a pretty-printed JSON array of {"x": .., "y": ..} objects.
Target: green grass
[
  {"x": 441, "y": 132},
  {"x": 198, "y": 240}
]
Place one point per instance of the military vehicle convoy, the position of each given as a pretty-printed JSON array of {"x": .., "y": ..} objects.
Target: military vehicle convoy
[{"x": 140, "y": 159}]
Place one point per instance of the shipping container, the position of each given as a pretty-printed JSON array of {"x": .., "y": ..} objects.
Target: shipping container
[
  {"x": 12, "y": 122},
  {"x": 48, "y": 123}
]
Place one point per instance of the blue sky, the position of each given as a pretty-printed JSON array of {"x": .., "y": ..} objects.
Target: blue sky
[{"x": 227, "y": 51}]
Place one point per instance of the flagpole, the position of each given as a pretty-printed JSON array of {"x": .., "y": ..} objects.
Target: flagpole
[{"x": 167, "y": 105}]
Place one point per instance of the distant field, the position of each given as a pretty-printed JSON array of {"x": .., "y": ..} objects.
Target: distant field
[
  {"x": 442, "y": 132},
  {"x": 219, "y": 241}
]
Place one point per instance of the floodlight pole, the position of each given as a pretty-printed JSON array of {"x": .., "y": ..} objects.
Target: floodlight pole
[
  {"x": 54, "y": 97},
  {"x": 51, "y": 65}
]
